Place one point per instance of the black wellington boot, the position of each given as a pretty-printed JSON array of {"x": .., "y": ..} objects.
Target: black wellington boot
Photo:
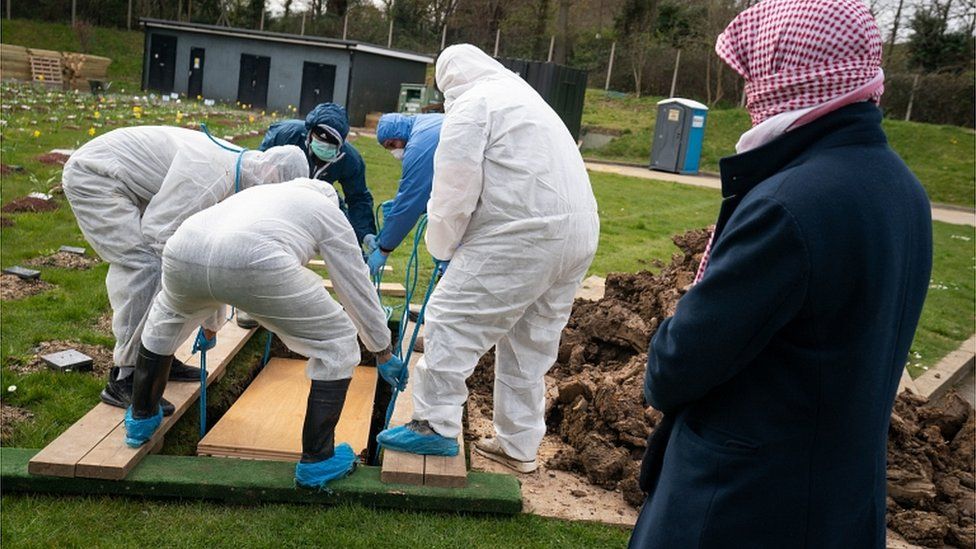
[
  {"x": 118, "y": 392},
  {"x": 325, "y": 401},
  {"x": 148, "y": 383}
]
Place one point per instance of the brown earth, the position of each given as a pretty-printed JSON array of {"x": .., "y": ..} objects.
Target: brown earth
[
  {"x": 5, "y": 169},
  {"x": 103, "y": 324},
  {"x": 931, "y": 447},
  {"x": 29, "y": 204},
  {"x": 595, "y": 388},
  {"x": 101, "y": 356},
  {"x": 52, "y": 158},
  {"x": 13, "y": 287},
  {"x": 6, "y": 222},
  {"x": 10, "y": 417},
  {"x": 63, "y": 260}
]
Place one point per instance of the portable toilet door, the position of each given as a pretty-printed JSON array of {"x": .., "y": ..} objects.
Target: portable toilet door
[{"x": 678, "y": 135}]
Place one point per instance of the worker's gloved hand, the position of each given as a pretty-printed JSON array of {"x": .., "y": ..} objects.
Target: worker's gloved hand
[
  {"x": 371, "y": 243},
  {"x": 394, "y": 372},
  {"x": 386, "y": 208},
  {"x": 202, "y": 343},
  {"x": 440, "y": 267},
  {"x": 376, "y": 260}
]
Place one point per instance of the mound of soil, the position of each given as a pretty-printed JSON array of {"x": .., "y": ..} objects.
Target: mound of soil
[
  {"x": 10, "y": 417},
  {"x": 101, "y": 357},
  {"x": 63, "y": 260},
  {"x": 595, "y": 389},
  {"x": 931, "y": 447},
  {"x": 13, "y": 287},
  {"x": 53, "y": 158},
  {"x": 29, "y": 204}
]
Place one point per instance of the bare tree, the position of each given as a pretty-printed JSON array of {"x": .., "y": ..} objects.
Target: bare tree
[{"x": 894, "y": 32}]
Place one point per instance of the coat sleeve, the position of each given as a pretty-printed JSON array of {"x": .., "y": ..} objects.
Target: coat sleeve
[
  {"x": 411, "y": 199},
  {"x": 195, "y": 181},
  {"x": 755, "y": 283},
  {"x": 458, "y": 177},
  {"x": 358, "y": 199},
  {"x": 350, "y": 276}
]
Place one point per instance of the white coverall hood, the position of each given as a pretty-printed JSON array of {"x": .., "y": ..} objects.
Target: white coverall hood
[
  {"x": 320, "y": 186},
  {"x": 461, "y": 66},
  {"x": 274, "y": 165}
]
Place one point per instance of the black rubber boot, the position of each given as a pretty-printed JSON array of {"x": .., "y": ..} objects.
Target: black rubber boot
[
  {"x": 325, "y": 401},
  {"x": 118, "y": 392},
  {"x": 149, "y": 382},
  {"x": 181, "y": 372}
]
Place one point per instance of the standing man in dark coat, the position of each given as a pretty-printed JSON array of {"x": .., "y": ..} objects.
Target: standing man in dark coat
[{"x": 778, "y": 371}]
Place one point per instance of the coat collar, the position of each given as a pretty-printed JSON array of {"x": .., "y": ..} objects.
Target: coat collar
[{"x": 859, "y": 123}]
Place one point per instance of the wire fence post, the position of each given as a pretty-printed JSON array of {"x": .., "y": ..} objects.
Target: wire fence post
[
  {"x": 674, "y": 77},
  {"x": 498, "y": 35},
  {"x": 613, "y": 50},
  {"x": 911, "y": 99},
  {"x": 552, "y": 45}
]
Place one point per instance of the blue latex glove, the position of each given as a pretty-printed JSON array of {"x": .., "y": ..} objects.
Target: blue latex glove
[
  {"x": 201, "y": 343},
  {"x": 371, "y": 243},
  {"x": 394, "y": 372},
  {"x": 440, "y": 267},
  {"x": 386, "y": 208},
  {"x": 376, "y": 260}
]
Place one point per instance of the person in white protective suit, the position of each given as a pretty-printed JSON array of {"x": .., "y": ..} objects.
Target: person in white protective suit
[
  {"x": 250, "y": 251},
  {"x": 513, "y": 211},
  {"x": 130, "y": 189}
]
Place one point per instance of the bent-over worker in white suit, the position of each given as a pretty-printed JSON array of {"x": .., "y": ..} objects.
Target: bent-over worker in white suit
[
  {"x": 250, "y": 251},
  {"x": 513, "y": 211},
  {"x": 130, "y": 189}
]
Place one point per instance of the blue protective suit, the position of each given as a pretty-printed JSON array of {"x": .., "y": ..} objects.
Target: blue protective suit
[
  {"x": 349, "y": 170},
  {"x": 421, "y": 133}
]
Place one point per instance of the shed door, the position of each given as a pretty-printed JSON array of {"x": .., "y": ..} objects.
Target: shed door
[
  {"x": 194, "y": 87},
  {"x": 252, "y": 87},
  {"x": 667, "y": 137},
  {"x": 318, "y": 81},
  {"x": 162, "y": 62}
]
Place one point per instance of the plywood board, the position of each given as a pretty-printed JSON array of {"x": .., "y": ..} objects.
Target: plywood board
[
  {"x": 266, "y": 421},
  {"x": 112, "y": 459}
]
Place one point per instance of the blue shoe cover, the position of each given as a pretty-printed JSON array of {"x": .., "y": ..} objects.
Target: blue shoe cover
[
  {"x": 404, "y": 439},
  {"x": 138, "y": 431},
  {"x": 317, "y": 475}
]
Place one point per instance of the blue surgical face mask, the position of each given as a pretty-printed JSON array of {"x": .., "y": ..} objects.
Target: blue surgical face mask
[{"x": 326, "y": 152}]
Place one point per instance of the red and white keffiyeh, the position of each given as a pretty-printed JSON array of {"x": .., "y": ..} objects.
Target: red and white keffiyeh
[{"x": 795, "y": 54}]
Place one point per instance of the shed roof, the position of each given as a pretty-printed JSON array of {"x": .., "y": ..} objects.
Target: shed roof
[{"x": 317, "y": 41}]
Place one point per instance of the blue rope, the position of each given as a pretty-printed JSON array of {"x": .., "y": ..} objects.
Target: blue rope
[{"x": 267, "y": 349}]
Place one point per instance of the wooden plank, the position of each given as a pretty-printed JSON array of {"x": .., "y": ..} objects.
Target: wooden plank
[
  {"x": 266, "y": 421},
  {"x": 60, "y": 457},
  {"x": 447, "y": 472},
  {"x": 406, "y": 468},
  {"x": 111, "y": 459},
  {"x": 390, "y": 289},
  {"x": 318, "y": 263}
]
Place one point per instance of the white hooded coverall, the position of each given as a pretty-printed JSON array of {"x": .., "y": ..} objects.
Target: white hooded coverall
[
  {"x": 512, "y": 209},
  {"x": 250, "y": 251},
  {"x": 129, "y": 190}
]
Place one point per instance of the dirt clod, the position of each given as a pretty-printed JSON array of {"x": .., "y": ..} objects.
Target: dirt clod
[
  {"x": 101, "y": 357},
  {"x": 13, "y": 287},
  {"x": 29, "y": 204},
  {"x": 53, "y": 158},
  {"x": 10, "y": 417},
  {"x": 931, "y": 500},
  {"x": 63, "y": 260}
]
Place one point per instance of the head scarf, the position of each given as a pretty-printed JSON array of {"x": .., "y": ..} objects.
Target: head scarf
[{"x": 796, "y": 54}]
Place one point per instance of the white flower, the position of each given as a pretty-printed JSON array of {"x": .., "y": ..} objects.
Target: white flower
[{"x": 12, "y": 388}]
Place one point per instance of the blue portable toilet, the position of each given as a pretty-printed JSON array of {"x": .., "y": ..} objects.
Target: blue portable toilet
[{"x": 678, "y": 135}]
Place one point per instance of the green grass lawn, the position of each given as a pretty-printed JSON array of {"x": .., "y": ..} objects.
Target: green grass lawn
[{"x": 942, "y": 157}]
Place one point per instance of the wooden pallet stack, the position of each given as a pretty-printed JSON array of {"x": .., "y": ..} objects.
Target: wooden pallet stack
[{"x": 52, "y": 68}]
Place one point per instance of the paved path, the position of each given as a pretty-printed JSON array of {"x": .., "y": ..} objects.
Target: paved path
[{"x": 949, "y": 214}]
